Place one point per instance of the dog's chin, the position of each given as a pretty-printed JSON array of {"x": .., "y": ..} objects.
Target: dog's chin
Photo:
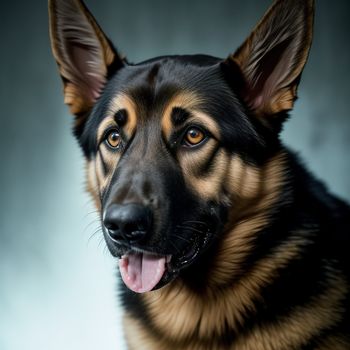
[{"x": 148, "y": 270}]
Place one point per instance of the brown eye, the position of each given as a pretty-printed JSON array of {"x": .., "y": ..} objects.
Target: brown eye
[
  {"x": 113, "y": 139},
  {"x": 194, "y": 136}
]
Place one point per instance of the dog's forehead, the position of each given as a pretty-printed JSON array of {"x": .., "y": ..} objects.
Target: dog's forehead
[
  {"x": 152, "y": 89},
  {"x": 153, "y": 84}
]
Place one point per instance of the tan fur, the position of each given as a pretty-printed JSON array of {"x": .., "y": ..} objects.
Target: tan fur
[
  {"x": 142, "y": 341},
  {"x": 334, "y": 343},
  {"x": 256, "y": 191},
  {"x": 76, "y": 102},
  {"x": 102, "y": 179},
  {"x": 96, "y": 180},
  {"x": 208, "y": 187},
  {"x": 177, "y": 314},
  {"x": 244, "y": 180},
  {"x": 186, "y": 100},
  {"x": 122, "y": 101},
  {"x": 297, "y": 328},
  {"x": 207, "y": 314},
  {"x": 92, "y": 184}
]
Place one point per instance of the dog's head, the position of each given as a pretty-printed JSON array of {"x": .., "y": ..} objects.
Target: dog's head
[{"x": 174, "y": 144}]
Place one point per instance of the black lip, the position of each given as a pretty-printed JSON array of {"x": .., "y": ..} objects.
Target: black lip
[
  {"x": 174, "y": 267},
  {"x": 198, "y": 247}
]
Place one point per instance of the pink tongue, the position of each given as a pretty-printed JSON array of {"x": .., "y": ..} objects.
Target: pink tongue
[{"x": 141, "y": 271}]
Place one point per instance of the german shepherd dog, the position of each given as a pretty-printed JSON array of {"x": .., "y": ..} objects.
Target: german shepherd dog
[{"x": 224, "y": 240}]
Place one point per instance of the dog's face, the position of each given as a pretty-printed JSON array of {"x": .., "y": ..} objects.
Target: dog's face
[
  {"x": 176, "y": 146},
  {"x": 160, "y": 141}
]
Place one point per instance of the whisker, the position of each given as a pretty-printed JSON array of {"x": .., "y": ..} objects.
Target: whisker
[
  {"x": 94, "y": 222},
  {"x": 174, "y": 245},
  {"x": 101, "y": 242},
  {"x": 180, "y": 237},
  {"x": 190, "y": 228},
  {"x": 98, "y": 230},
  {"x": 93, "y": 212},
  {"x": 195, "y": 222},
  {"x": 105, "y": 250}
]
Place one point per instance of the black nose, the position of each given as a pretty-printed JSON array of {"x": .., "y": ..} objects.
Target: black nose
[{"x": 127, "y": 222}]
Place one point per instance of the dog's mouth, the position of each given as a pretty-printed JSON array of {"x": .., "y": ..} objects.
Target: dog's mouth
[
  {"x": 144, "y": 271},
  {"x": 141, "y": 272}
]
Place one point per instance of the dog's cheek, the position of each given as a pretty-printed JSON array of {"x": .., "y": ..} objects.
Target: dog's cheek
[
  {"x": 92, "y": 183},
  {"x": 243, "y": 180},
  {"x": 207, "y": 185},
  {"x": 254, "y": 188},
  {"x": 100, "y": 172}
]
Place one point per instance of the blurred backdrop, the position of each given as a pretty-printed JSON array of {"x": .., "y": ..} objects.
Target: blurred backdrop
[{"x": 57, "y": 280}]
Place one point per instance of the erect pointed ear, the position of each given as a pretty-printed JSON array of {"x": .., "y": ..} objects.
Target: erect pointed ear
[
  {"x": 84, "y": 55},
  {"x": 271, "y": 60}
]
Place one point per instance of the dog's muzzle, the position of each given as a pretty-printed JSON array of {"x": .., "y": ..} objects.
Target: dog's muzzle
[{"x": 128, "y": 225}]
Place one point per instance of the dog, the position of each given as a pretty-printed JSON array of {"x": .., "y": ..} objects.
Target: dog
[{"x": 224, "y": 239}]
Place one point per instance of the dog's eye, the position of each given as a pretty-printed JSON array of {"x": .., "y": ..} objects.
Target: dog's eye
[
  {"x": 113, "y": 138},
  {"x": 194, "y": 136}
]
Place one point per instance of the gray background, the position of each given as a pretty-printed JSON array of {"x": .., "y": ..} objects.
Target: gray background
[{"x": 57, "y": 286}]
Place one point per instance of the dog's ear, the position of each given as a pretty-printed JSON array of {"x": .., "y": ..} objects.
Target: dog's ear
[
  {"x": 84, "y": 54},
  {"x": 271, "y": 60}
]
